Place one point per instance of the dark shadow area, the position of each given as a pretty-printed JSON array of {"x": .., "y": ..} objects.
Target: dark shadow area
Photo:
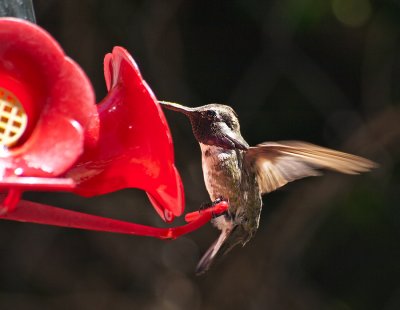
[{"x": 327, "y": 72}]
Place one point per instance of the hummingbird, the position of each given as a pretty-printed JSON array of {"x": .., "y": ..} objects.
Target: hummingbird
[{"x": 240, "y": 174}]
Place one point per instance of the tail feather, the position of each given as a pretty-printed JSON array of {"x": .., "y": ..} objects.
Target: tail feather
[
  {"x": 227, "y": 240},
  {"x": 208, "y": 257}
]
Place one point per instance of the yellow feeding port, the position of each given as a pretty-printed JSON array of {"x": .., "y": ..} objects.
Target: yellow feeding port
[{"x": 13, "y": 119}]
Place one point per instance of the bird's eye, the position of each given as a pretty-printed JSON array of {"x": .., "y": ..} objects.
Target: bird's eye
[{"x": 210, "y": 114}]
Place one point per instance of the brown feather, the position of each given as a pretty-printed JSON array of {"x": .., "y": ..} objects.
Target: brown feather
[{"x": 278, "y": 163}]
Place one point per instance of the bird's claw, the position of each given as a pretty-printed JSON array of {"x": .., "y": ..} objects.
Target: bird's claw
[
  {"x": 207, "y": 205},
  {"x": 214, "y": 213},
  {"x": 215, "y": 209}
]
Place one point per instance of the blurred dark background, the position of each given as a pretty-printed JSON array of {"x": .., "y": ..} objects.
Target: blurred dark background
[{"x": 327, "y": 72}]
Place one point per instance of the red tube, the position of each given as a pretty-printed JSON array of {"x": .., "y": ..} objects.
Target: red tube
[{"x": 48, "y": 215}]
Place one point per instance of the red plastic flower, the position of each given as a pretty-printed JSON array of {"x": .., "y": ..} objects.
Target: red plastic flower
[
  {"x": 46, "y": 103},
  {"x": 124, "y": 142},
  {"x": 134, "y": 147}
]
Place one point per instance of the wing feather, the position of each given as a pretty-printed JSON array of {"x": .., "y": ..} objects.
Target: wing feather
[{"x": 277, "y": 163}]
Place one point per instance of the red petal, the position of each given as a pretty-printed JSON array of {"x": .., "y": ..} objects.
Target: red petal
[
  {"x": 50, "y": 152},
  {"x": 135, "y": 145},
  {"x": 55, "y": 94}
]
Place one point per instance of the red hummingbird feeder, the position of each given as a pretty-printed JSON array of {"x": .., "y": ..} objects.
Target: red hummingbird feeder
[{"x": 53, "y": 136}]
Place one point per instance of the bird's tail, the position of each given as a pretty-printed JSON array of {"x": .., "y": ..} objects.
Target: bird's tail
[
  {"x": 208, "y": 257},
  {"x": 225, "y": 242}
]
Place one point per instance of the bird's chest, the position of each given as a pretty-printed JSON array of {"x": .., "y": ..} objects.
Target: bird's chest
[
  {"x": 221, "y": 170},
  {"x": 226, "y": 175}
]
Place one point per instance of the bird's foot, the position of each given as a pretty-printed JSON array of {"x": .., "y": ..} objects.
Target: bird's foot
[
  {"x": 207, "y": 205},
  {"x": 214, "y": 209}
]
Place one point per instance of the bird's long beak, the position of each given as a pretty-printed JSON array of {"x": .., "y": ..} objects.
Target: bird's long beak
[{"x": 176, "y": 107}]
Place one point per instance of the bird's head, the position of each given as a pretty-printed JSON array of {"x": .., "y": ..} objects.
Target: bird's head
[{"x": 213, "y": 124}]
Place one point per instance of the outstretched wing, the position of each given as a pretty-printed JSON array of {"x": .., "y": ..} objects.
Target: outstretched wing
[{"x": 277, "y": 163}]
